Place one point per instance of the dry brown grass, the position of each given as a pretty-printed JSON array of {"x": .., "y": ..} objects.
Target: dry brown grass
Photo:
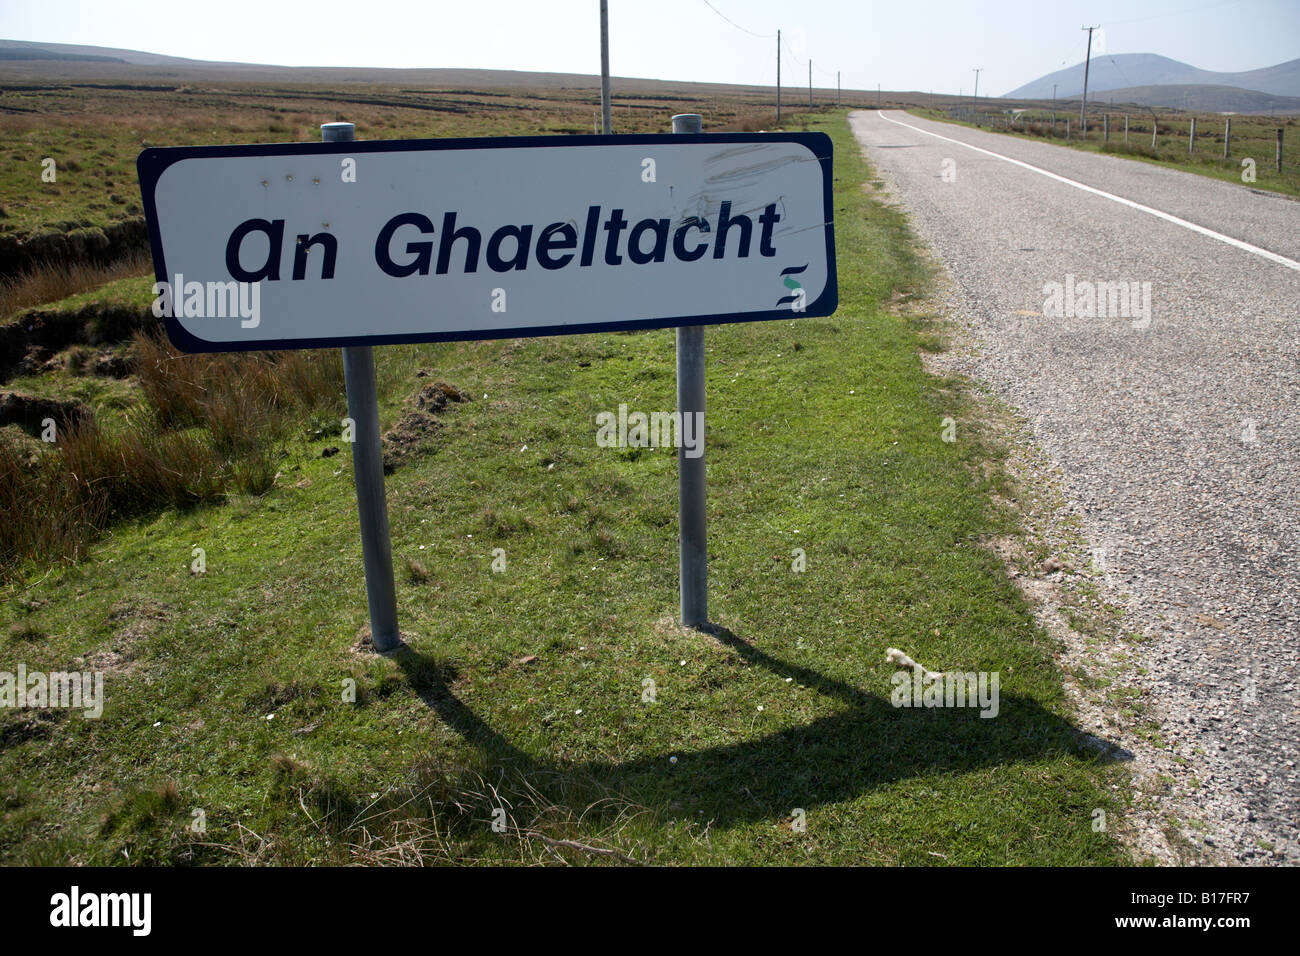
[
  {"x": 140, "y": 467},
  {"x": 50, "y": 283},
  {"x": 209, "y": 424},
  {"x": 750, "y": 122},
  {"x": 55, "y": 508},
  {"x": 239, "y": 398},
  {"x": 46, "y": 513}
]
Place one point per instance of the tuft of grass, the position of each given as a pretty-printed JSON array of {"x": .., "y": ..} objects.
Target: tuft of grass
[
  {"x": 1130, "y": 149},
  {"x": 25, "y": 631},
  {"x": 287, "y": 772},
  {"x": 239, "y": 397},
  {"x": 78, "y": 356},
  {"x": 48, "y": 515},
  {"x": 51, "y": 282},
  {"x": 138, "y": 468},
  {"x": 143, "y": 809}
]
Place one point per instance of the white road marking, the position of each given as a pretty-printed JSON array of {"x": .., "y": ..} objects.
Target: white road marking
[{"x": 1246, "y": 246}]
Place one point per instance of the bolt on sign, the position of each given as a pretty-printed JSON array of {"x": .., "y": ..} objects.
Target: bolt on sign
[{"x": 306, "y": 245}]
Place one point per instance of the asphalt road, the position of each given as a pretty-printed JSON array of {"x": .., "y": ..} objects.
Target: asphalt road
[{"x": 1177, "y": 431}]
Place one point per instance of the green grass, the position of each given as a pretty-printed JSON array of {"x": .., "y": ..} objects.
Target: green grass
[
  {"x": 94, "y": 132},
  {"x": 133, "y": 292},
  {"x": 1252, "y": 136},
  {"x": 111, "y": 398},
  {"x": 226, "y": 689}
]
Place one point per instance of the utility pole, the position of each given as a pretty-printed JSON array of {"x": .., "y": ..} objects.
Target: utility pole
[
  {"x": 778, "y": 77},
  {"x": 975, "y": 99},
  {"x": 1087, "y": 62},
  {"x": 810, "y": 83},
  {"x": 604, "y": 68},
  {"x": 837, "y": 87}
]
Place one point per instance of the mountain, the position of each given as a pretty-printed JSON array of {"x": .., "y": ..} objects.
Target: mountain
[
  {"x": 1201, "y": 98},
  {"x": 1128, "y": 70}
]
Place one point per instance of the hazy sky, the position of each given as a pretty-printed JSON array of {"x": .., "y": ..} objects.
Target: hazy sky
[{"x": 901, "y": 44}]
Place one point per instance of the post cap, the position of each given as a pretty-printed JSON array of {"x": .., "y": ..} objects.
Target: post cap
[{"x": 337, "y": 132}]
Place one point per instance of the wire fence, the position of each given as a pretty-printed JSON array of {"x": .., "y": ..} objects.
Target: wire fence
[{"x": 1267, "y": 140}]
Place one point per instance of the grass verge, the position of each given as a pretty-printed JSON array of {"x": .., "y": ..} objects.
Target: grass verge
[{"x": 1251, "y": 138}]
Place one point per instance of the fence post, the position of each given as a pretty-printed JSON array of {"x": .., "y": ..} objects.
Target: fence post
[
  {"x": 1279, "y": 149},
  {"x": 693, "y": 555},
  {"x": 1227, "y": 135},
  {"x": 1067, "y": 127},
  {"x": 1105, "y": 127},
  {"x": 1191, "y": 137},
  {"x": 1155, "y": 128},
  {"x": 368, "y": 470}
]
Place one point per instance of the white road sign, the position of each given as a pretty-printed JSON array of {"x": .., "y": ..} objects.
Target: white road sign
[{"x": 308, "y": 245}]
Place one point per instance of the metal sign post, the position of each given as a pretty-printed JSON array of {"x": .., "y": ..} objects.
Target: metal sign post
[
  {"x": 693, "y": 557},
  {"x": 368, "y": 470},
  {"x": 356, "y": 244}
]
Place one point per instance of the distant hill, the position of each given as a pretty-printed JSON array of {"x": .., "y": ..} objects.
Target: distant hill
[
  {"x": 23, "y": 61},
  {"x": 33, "y": 52},
  {"x": 26, "y": 50},
  {"x": 1201, "y": 98},
  {"x": 1138, "y": 70},
  {"x": 84, "y": 63}
]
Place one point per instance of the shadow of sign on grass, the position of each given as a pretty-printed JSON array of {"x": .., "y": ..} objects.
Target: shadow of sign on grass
[{"x": 832, "y": 759}]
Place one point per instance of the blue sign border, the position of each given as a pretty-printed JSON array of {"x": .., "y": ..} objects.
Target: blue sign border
[{"x": 153, "y": 162}]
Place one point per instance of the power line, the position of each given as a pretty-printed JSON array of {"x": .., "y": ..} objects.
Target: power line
[
  {"x": 780, "y": 43},
  {"x": 761, "y": 36},
  {"x": 826, "y": 73},
  {"x": 1121, "y": 72}
]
